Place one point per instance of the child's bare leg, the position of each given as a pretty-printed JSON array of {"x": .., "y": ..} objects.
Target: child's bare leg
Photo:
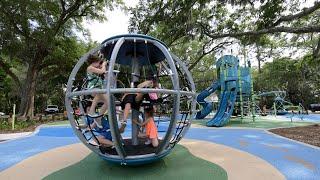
[
  {"x": 142, "y": 135},
  {"x": 104, "y": 141},
  {"x": 126, "y": 111},
  {"x": 139, "y": 97},
  {"x": 103, "y": 98},
  {"x": 155, "y": 142},
  {"x": 94, "y": 104}
]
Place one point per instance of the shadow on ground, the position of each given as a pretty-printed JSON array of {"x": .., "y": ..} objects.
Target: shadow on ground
[{"x": 180, "y": 164}]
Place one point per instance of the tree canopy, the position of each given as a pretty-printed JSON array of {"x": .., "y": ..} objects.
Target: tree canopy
[
  {"x": 272, "y": 31},
  {"x": 39, "y": 36},
  {"x": 39, "y": 42}
]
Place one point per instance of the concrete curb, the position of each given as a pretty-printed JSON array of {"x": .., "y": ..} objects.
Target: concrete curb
[
  {"x": 4, "y": 137},
  {"x": 25, "y": 136},
  {"x": 15, "y": 136}
]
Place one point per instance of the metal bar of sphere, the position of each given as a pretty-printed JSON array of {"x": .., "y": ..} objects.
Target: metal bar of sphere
[
  {"x": 170, "y": 59},
  {"x": 111, "y": 106},
  {"x": 193, "y": 89},
  {"x": 68, "y": 99},
  {"x": 176, "y": 100},
  {"x": 132, "y": 38},
  {"x": 129, "y": 90},
  {"x": 176, "y": 103}
]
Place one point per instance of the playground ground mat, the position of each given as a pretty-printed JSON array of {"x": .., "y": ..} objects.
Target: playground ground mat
[
  {"x": 236, "y": 122},
  {"x": 235, "y": 150},
  {"x": 181, "y": 164},
  {"x": 258, "y": 123}
]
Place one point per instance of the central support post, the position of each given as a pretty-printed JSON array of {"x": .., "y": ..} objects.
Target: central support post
[{"x": 134, "y": 112}]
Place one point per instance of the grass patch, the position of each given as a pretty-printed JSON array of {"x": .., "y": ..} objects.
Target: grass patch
[
  {"x": 27, "y": 126},
  {"x": 180, "y": 164}
]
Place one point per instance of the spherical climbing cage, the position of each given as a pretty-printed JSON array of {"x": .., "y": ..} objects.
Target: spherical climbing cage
[{"x": 133, "y": 58}]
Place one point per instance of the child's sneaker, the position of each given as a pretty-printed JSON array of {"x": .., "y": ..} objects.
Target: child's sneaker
[{"x": 147, "y": 142}]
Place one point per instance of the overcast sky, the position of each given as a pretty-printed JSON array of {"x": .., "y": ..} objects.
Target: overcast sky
[{"x": 116, "y": 24}]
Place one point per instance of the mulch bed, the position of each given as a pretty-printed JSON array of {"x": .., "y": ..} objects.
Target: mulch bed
[{"x": 306, "y": 134}]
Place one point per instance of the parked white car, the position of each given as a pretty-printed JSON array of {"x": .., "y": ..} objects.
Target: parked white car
[
  {"x": 51, "y": 109},
  {"x": 2, "y": 114},
  {"x": 315, "y": 107}
]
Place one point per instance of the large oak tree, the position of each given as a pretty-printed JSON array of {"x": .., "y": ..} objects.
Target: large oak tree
[{"x": 32, "y": 32}]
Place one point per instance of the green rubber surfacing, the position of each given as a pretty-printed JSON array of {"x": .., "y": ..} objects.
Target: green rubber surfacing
[{"x": 180, "y": 164}]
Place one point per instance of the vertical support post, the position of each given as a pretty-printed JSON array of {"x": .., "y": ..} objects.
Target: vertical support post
[
  {"x": 240, "y": 91},
  {"x": 275, "y": 109},
  {"x": 13, "y": 115},
  {"x": 223, "y": 78},
  {"x": 135, "y": 113},
  {"x": 253, "y": 108}
]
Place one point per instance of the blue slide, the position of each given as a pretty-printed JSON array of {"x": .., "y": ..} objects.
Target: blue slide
[
  {"x": 206, "y": 106},
  {"x": 225, "y": 109},
  {"x": 226, "y": 106},
  {"x": 227, "y": 83}
]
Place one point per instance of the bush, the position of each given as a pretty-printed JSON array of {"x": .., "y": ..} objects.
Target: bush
[{"x": 19, "y": 125}]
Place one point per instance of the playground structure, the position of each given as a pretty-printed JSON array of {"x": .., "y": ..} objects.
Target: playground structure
[
  {"x": 280, "y": 105},
  {"x": 140, "y": 57},
  {"x": 234, "y": 87}
]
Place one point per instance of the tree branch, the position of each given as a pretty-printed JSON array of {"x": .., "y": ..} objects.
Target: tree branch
[
  {"x": 298, "y": 30},
  {"x": 84, "y": 11},
  {"x": 65, "y": 15},
  {"x": 7, "y": 70},
  {"x": 14, "y": 25},
  {"x": 220, "y": 45},
  {"x": 316, "y": 52},
  {"x": 304, "y": 12},
  {"x": 63, "y": 6}
]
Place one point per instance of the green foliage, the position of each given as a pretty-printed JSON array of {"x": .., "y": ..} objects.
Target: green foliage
[
  {"x": 40, "y": 37},
  {"x": 19, "y": 125},
  {"x": 299, "y": 78},
  {"x": 188, "y": 28},
  {"x": 270, "y": 12}
]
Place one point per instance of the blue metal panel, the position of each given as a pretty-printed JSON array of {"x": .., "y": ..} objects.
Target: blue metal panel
[{"x": 146, "y": 53}]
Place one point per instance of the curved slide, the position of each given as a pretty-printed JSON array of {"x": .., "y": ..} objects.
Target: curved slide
[
  {"x": 206, "y": 106},
  {"x": 226, "y": 105},
  {"x": 225, "y": 109}
]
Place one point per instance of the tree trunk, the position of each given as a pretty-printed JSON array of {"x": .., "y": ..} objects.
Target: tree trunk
[
  {"x": 28, "y": 92},
  {"x": 259, "y": 58}
]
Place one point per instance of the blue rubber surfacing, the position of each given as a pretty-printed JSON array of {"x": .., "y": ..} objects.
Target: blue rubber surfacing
[
  {"x": 293, "y": 160},
  {"x": 12, "y": 152}
]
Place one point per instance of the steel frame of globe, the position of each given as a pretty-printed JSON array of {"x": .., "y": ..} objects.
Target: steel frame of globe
[{"x": 163, "y": 149}]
